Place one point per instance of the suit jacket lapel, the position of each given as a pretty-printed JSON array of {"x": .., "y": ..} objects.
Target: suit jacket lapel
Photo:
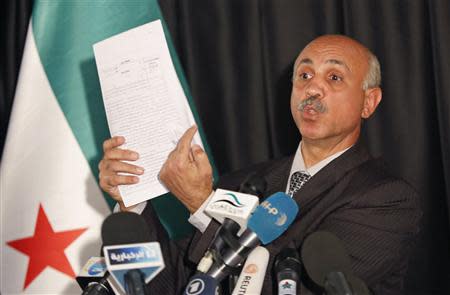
[
  {"x": 331, "y": 174},
  {"x": 277, "y": 176}
]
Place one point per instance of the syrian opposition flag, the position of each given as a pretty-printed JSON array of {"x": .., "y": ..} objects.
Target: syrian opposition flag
[{"x": 51, "y": 204}]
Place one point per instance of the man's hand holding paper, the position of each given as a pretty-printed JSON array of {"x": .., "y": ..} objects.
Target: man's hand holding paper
[
  {"x": 113, "y": 165},
  {"x": 187, "y": 172}
]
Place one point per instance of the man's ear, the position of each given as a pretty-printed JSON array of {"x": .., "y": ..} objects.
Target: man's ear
[{"x": 372, "y": 98}]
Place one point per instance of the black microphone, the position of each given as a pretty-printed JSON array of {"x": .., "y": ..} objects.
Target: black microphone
[
  {"x": 254, "y": 184},
  {"x": 233, "y": 211},
  {"x": 93, "y": 277},
  {"x": 329, "y": 266},
  {"x": 288, "y": 270},
  {"x": 100, "y": 288},
  {"x": 124, "y": 228},
  {"x": 118, "y": 228},
  {"x": 227, "y": 234}
]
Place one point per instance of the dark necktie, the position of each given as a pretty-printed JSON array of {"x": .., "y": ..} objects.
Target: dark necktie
[{"x": 298, "y": 179}]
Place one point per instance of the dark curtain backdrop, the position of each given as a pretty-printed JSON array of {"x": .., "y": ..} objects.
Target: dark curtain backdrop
[{"x": 238, "y": 56}]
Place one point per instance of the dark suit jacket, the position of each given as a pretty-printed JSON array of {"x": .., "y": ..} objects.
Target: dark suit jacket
[{"x": 375, "y": 214}]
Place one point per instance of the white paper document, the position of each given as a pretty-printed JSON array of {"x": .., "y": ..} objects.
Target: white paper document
[{"x": 144, "y": 102}]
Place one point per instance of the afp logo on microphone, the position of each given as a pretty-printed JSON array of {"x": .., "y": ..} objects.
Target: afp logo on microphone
[
  {"x": 281, "y": 217},
  {"x": 273, "y": 216}
]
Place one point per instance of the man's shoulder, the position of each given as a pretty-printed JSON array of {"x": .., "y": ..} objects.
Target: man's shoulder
[
  {"x": 377, "y": 182},
  {"x": 363, "y": 168},
  {"x": 377, "y": 171}
]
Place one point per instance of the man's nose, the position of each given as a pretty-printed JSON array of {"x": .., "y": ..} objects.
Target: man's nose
[{"x": 315, "y": 88}]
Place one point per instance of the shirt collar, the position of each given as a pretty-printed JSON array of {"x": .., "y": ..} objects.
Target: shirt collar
[{"x": 299, "y": 164}]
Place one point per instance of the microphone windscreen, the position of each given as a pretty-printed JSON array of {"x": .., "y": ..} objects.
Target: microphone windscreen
[
  {"x": 358, "y": 286},
  {"x": 322, "y": 253},
  {"x": 254, "y": 184},
  {"x": 288, "y": 258},
  {"x": 272, "y": 217},
  {"x": 125, "y": 228}
]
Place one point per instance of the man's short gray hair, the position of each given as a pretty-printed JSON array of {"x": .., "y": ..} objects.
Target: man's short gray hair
[{"x": 373, "y": 76}]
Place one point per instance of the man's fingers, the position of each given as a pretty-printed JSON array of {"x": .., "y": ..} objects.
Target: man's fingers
[
  {"x": 115, "y": 180},
  {"x": 118, "y": 166},
  {"x": 120, "y": 154},
  {"x": 191, "y": 156},
  {"x": 184, "y": 144},
  {"x": 113, "y": 142},
  {"x": 201, "y": 160}
]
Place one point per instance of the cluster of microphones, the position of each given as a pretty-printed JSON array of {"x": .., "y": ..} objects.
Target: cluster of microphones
[{"x": 236, "y": 260}]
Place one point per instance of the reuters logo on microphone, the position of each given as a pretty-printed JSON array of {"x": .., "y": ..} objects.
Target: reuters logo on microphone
[{"x": 251, "y": 268}]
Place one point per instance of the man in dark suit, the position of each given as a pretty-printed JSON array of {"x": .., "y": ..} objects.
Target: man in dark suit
[{"x": 339, "y": 187}]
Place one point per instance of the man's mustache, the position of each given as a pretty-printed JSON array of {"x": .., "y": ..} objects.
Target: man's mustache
[{"x": 312, "y": 102}]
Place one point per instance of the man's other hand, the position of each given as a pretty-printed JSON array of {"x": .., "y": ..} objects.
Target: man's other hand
[{"x": 187, "y": 172}]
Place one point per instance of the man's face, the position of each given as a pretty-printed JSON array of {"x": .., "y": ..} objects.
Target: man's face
[{"x": 331, "y": 71}]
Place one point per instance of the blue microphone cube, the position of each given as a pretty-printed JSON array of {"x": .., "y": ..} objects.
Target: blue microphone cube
[{"x": 273, "y": 216}]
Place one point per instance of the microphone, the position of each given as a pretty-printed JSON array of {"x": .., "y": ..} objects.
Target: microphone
[
  {"x": 118, "y": 228},
  {"x": 251, "y": 278},
  {"x": 328, "y": 265},
  {"x": 237, "y": 206},
  {"x": 254, "y": 184},
  {"x": 93, "y": 277},
  {"x": 232, "y": 210},
  {"x": 232, "y": 205},
  {"x": 269, "y": 220},
  {"x": 288, "y": 269},
  {"x": 201, "y": 284},
  {"x": 131, "y": 259}
]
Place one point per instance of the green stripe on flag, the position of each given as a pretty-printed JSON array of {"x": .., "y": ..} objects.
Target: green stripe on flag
[{"x": 64, "y": 33}]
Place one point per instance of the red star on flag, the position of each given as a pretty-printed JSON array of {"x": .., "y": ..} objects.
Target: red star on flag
[{"x": 46, "y": 248}]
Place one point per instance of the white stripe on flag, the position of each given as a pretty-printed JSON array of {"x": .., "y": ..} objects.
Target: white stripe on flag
[{"x": 43, "y": 164}]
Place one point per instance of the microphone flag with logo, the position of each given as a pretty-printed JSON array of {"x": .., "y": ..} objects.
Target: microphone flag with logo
[
  {"x": 146, "y": 257},
  {"x": 233, "y": 205}
]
